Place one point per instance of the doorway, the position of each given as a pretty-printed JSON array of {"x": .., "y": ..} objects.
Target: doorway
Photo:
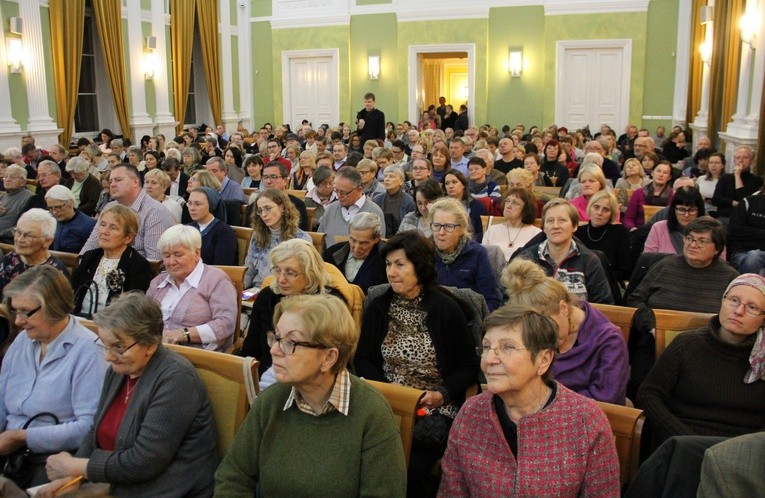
[
  {"x": 310, "y": 86},
  {"x": 593, "y": 83}
]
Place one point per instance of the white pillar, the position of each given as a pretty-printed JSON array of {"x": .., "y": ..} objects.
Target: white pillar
[
  {"x": 34, "y": 69},
  {"x": 229, "y": 117},
  {"x": 753, "y": 116},
  {"x": 700, "y": 125},
  {"x": 7, "y": 123},
  {"x": 245, "y": 64},
  {"x": 140, "y": 123},
  {"x": 164, "y": 119},
  {"x": 682, "y": 62}
]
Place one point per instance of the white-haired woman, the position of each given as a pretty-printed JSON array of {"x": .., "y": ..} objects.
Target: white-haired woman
[
  {"x": 199, "y": 302},
  {"x": 395, "y": 202},
  {"x": 156, "y": 182},
  {"x": 73, "y": 227},
  {"x": 85, "y": 187}
]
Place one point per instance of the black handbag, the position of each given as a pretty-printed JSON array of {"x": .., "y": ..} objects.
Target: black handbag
[
  {"x": 432, "y": 431},
  {"x": 19, "y": 464}
]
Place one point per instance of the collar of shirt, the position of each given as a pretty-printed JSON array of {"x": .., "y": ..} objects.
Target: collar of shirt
[
  {"x": 354, "y": 208},
  {"x": 192, "y": 280},
  {"x": 544, "y": 251},
  {"x": 339, "y": 398}
]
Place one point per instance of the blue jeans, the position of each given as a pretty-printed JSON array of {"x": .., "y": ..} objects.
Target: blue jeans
[{"x": 749, "y": 261}]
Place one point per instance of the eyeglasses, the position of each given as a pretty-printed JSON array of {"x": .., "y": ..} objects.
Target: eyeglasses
[
  {"x": 734, "y": 302},
  {"x": 117, "y": 350},
  {"x": 690, "y": 239},
  {"x": 686, "y": 211},
  {"x": 513, "y": 203},
  {"x": 288, "y": 273},
  {"x": 272, "y": 177},
  {"x": 503, "y": 350},
  {"x": 26, "y": 315},
  {"x": 57, "y": 207},
  {"x": 343, "y": 193},
  {"x": 287, "y": 346},
  {"x": 448, "y": 227},
  {"x": 24, "y": 235},
  {"x": 264, "y": 210},
  {"x": 12, "y": 177},
  {"x": 419, "y": 168}
]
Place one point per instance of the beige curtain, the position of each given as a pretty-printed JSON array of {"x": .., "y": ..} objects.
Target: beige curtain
[
  {"x": 108, "y": 16},
  {"x": 207, "y": 13},
  {"x": 433, "y": 81},
  {"x": 693, "y": 103},
  {"x": 723, "y": 72},
  {"x": 182, "y": 14},
  {"x": 67, "y": 21}
]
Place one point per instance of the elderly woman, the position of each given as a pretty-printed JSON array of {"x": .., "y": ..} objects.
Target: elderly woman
[
  {"x": 32, "y": 236},
  {"x": 298, "y": 269},
  {"x": 461, "y": 262},
  {"x": 633, "y": 178},
  {"x": 532, "y": 165},
  {"x": 417, "y": 334},
  {"x": 191, "y": 160},
  {"x": 131, "y": 445},
  {"x": 73, "y": 227},
  {"x": 692, "y": 281},
  {"x": 502, "y": 441},
  {"x": 203, "y": 178},
  {"x": 394, "y": 202},
  {"x": 253, "y": 165},
  {"x": 274, "y": 220},
  {"x": 52, "y": 366},
  {"x": 561, "y": 257},
  {"x": 367, "y": 168},
  {"x": 657, "y": 193},
  {"x": 208, "y": 215},
  {"x": 156, "y": 182},
  {"x": 667, "y": 236},
  {"x": 426, "y": 193},
  {"x": 708, "y": 381},
  {"x": 302, "y": 176},
  {"x": 604, "y": 233},
  {"x": 518, "y": 229},
  {"x": 317, "y": 408},
  {"x": 592, "y": 355},
  {"x": 112, "y": 268},
  {"x": 199, "y": 302},
  {"x": 321, "y": 194},
  {"x": 85, "y": 187},
  {"x": 521, "y": 178},
  {"x": 456, "y": 187}
]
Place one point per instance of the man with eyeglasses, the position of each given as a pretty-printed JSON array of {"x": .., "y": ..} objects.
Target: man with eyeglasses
[
  {"x": 350, "y": 200},
  {"x": 48, "y": 175},
  {"x": 275, "y": 175},
  {"x": 13, "y": 200}
]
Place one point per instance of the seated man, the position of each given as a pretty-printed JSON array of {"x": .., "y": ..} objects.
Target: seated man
[
  {"x": 48, "y": 175},
  {"x": 73, "y": 227},
  {"x": 230, "y": 190},
  {"x": 747, "y": 234},
  {"x": 359, "y": 257},
  {"x": 13, "y": 200}
]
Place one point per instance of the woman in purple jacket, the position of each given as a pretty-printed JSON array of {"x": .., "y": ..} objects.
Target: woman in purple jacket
[{"x": 592, "y": 353}]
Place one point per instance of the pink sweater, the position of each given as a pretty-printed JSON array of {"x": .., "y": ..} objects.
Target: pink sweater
[{"x": 565, "y": 450}]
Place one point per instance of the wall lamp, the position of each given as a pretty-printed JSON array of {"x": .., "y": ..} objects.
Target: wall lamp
[
  {"x": 150, "y": 58},
  {"x": 748, "y": 28},
  {"x": 373, "y": 65},
  {"x": 15, "y": 49},
  {"x": 515, "y": 63},
  {"x": 705, "y": 49}
]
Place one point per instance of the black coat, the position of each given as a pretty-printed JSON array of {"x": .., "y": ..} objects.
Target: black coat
[{"x": 372, "y": 271}]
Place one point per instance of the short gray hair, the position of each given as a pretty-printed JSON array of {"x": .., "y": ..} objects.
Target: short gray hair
[
  {"x": 77, "y": 165},
  {"x": 54, "y": 169},
  {"x": 15, "y": 168},
  {"x": 134, "y": 149},
  {"x": 117, "y": 142},
  {"x": 396, "y": 170},
  {"x": 163, "y": 177},
  {"x": 366, "y": 221},
  {"x": 221, "y": 163},
  {"x": 43, "y": 218},
  {"x": 60, "y": 193},
  {"x": 180, "y": 235},
  {"x": 12, "y": 153}
]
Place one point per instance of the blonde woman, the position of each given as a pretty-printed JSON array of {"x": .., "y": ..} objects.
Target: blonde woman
[{"x": 633, "y": 177}]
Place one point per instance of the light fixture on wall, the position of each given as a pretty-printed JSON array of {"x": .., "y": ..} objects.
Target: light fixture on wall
[
  {"x": 515, "y": 62},
  {"x": 706, "y": 14},
  {"x": 373, "y": 65},
  {"x": 705, "y": 49},
  {"x": 748, "y": 28},
  {"x": 150, "y": 58},
  {"x": 15, "y": 55}
]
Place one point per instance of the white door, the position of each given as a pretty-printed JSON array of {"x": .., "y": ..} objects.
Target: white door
[
  {"x": 310, "y": 88},
  {"x": 592, "y": 87}
]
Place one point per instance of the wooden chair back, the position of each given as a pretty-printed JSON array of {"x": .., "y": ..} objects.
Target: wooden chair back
[
  {"x": 487, "y": 221},
  {"x": 236, "y": 274},
  {"x": 243, "y": 237},
  {"x": 649, "y": 211},
  {"x": 223, "y": 376},
  {"x": 627, "y": 427},
  {"x": 70, "y": 259},
  {"x": 243, "y": 212},
  {"x": 670, "y": 324},
  {"x": 404, "y": 402},
  {"x": 318, "y": 239},
  {"x": 32, "y": 185},
  {"x": 300, "y": 194},
  {"x": 621, "y": 316},
  {"x": 547, "y": 192},
  {"x": 310, "y": 212},
  {"x": 249, "y": 191}
]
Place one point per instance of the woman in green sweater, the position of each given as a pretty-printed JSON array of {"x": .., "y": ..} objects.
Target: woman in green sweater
[{"x": 320, "y": 431}]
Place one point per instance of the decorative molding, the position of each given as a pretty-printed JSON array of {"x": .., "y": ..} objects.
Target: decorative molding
[
  {"x": 656, "y": 118},
  {"x": 309, "y": 22},
  {"x": 567, "y": 7}
]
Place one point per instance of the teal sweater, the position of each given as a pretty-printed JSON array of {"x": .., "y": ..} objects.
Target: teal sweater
[{"x": 291, "y": 453}]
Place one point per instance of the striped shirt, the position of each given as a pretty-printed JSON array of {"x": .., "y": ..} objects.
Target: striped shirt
[{"x": 339, "y": 398}]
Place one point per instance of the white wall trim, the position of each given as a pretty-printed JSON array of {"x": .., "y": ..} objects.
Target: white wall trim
[
  {"x": 567, "y": 7},
  {"x": 334, "y": 53},
  {"x": 412, "y": 75},
  {"x": 656, "y": 118},
  {"x": 682, "y": 61},
  {"x": 310, "y": 22}
]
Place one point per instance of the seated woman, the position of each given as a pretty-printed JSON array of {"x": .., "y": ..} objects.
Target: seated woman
[
  {"x": 322, "y": 194},
  {"x": 551, "y": 165},
  {"x": 692, "y": 281},
  {"x": 395, "y": 203},
  {"x": 298, "y": 269},
  {"x": 521, "y": 178},
  {"x": 208, "y": 214},
  {"x": 633, "y": 178},
  {"x": 274, "y": 220},
  {"x": 85, "y": 187},
  {"x": 511, "y": 439},
  {"x": 317, "y": 408},
  {"x": 73, "y": 227},
  {"x": 657, "y": 193},
  {"x": 156, "y": 182},
  {"x": 416, "y": 334},
  {"x": 592, "y": 355},
  {"x": 479, "y": 183},
  {"x": 421, "y": 172},
  {"x": 32, "y": 237},
  {"x": 253, "y": 165},
  {"x": 301, "y": 176},
  {"x": 192, "y": 160},
  {"x": 561, "y": 257},
  {"x": 603, "y": 233},
  {"x": 519, "y": 229},
  {"x": 426, "y": 193},
  {"x": 53, "y": 366},
  {"x": 439, "y": 156},
  {"x": 531, "y": 164},
  {"x": 114, "y": 267},
  {"x": 707, "y": 381},
  {"x": 668, "y": 236},
  {"x": 708, "y": 181},
  {"x": 461, "y": 262},
  {"x": 131, "y": 445},
  {"x": 456, "y": 186},
  {"x": 591, "y": 181},
  {"x": 199, "y": 303}
]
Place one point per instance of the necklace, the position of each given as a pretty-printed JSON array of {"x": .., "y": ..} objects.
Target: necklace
[
  {"x": 129, "y": 389},
  {"x": 512, "y": 242},
  {"x": 593, "y": 238}
]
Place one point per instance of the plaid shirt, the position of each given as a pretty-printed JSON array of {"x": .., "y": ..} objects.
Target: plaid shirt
[{"x": 339, "y": 398}]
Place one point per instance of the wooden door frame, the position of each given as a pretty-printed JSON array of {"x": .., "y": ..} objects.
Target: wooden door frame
[{"x": 287, "y": 56}]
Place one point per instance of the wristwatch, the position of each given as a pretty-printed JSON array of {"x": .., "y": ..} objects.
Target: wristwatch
[{"x": 187, "y": 334}]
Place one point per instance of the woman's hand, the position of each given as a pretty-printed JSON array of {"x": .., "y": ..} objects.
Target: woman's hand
[
  {"x": 61, "y": 465},
  {"x": 174, "y": 337},
  {"x": 432, "y": 399},
  {"x": 10, "y": 441},
  {"x": 49, "y": 490}
]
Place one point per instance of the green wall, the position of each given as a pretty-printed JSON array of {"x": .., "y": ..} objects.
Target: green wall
[
  {"x": 262, "y": 74},
  {"x": 16, "y": 85},
  {"x": 660, "y": 59},
  {"x": 384, "y": 44}
]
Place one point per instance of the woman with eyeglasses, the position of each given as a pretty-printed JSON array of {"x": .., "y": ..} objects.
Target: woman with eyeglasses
[
  {"x": 416, "y": 333},
  {"x": 274, "y": 220},
  {"x": 199, "y": 303},
  {"x": 154, "y": 431},
  {"x": 519, "y": 209},
  {"x": 512, "y": 439},
  {"x": 320, "y": 430},
  {"x": 73, "y": 227},
  {"x": 667, "y": 236},
  {"x": 456, "y": 187},
  {"x": 52, "y": 365},
  {"x": 208, "y": 214}
]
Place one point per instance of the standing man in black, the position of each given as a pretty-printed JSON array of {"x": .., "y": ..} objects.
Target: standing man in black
[{"x": 371, "y": 121}]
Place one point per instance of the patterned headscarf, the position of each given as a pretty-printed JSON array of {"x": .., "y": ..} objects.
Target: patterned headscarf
[{"x": 757, "y": 356}]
